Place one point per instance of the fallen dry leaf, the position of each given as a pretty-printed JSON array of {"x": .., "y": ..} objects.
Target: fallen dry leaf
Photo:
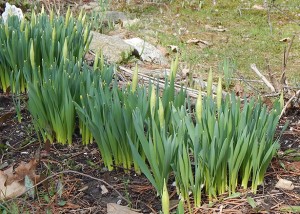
[
  {"x": 70, "y": 205},
  {"x": 174, "y": 48},
  {"x": 258, "y": 7},
  {"x": 294, "y": 166},
  {"x": 118, "y": 209},
  {"x": 12, "y": 190},
  {"x": 198, "y": 41},
  {"x": 185, "y": 72},
  {"x": 217, "y": 29},
  {"x": 287, "y": 39},
  {"x": 12, "y": 182},
  {"x": 239, "y": 90},
  {"x": 6, "y": 116}
]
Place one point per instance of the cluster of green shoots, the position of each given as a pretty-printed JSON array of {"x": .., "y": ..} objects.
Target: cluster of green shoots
[
  {"x": 38, "y": 44},
  {"x": 212, "y": 146},
  {"x": 216, "y": 146}
]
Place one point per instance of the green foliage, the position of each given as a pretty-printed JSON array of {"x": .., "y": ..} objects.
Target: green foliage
[
  {"x": 228, "y": 143},
  {"x": 51, "y": 103},
  {"x": 224, "y": 142},
  {"x": 38, "y": 43}
]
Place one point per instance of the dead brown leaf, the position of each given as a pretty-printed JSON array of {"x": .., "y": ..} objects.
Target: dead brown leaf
[
  {"x": 217, "y": 29},
  {"x": 118, "y": 209},
  {"x": 198, "y": 42},
  {"x": 238, "y": 90},
  {"x": 6, "y": 116},
  {"x": 286, "y": 39},
  {"x": 70, "y": 205},
  {"x": 258, "y": 7},
  {"x": 294, "y": 166},
  {"x": 12, "y": 182}
]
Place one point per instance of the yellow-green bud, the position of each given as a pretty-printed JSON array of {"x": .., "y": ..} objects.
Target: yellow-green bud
[
  {"x": 152, "y": 101},
  {"x": 96, "y": 61},
  {"x": 33, "y": 19},
  {"x": 209, "y": 83},
  {"x": 161, "y": 115},
  {"x": 174, "y": 67},
  {"x": 68, "y": 14},
  {"x": 65, "y": 49},
  {"x": 83, "y": 19},
  {"x": 134, "y": 79},
  {"x": 281, "y": 101},
  {"x": 53, "y": 36},
  {"x": 219, "y": 93},
  {"x": 85, "y": 35},
  {"x": 6, "y": 30},
  {"x": 26, "y": 32},
  {"x": 51, "y": 16},
  {"x": 80, "y": 15},
  {"x": 199, "y": 106},
  {"x": 22, "y": 24},
  {"x": 101, "y": 61},
  {"x": 32, "y": 60},
  {"x": 43, "y": 9},
  {"x": 165, "y": 200}
]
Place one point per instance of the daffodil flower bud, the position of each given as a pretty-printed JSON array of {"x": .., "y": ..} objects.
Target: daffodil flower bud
[
  {"x": 199, "y": 106},
  {"x": 152, "y": 101},
  {"x": 165, "y": 200},
  {"x": 134, "y": 79},
  {"x": 65, "y": 50},
  {"x": 32, "y": 56},
  {"x": 219, "y": 93},
  {"x": 161, "y": 113},
  {"x": 209, "y": 83}
]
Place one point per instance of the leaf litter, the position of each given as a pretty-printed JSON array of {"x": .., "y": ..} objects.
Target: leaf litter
[{"x": 14, "y": 183}]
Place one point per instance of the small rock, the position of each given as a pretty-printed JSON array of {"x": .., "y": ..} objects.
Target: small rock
[
  {"x": 103, "y": 189},
  {"x": 114, "y": 49},
  {"x": 285, "y": 184}
]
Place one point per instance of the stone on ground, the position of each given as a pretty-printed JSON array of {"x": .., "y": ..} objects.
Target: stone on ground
[{"x": 114, "y": 49}]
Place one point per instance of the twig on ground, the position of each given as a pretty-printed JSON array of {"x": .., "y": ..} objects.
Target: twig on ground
[
  {"x": 246, "y": 82},
  {"x": 263, "y": 78},
  {"x": 285, "y": 60},
  {"x": 269, "y": 15},
  {"x": 161, "y": 83},
  {"x": 272, "y": 95},
  {"x": 78, "y": 173},
  {"x": 153, "y": 211},
  {"x": 289, "y": 102}
]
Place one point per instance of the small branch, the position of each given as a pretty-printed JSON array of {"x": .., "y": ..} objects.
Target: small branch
[
  {"x": 288, "y": 51},
  {"x": 269, "y": 16},
  {"x": 161, "y": 83},
  {"x": 78, "y": 173},
  {"x": 289, "y": 102},
  {"x": 246, "y": 80},
  {"x": 263, "y": 78},
  {"x": 285, "y": 60},
  {"x": 272, "y": 95},
  {"x": 247, "y": 83}
]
